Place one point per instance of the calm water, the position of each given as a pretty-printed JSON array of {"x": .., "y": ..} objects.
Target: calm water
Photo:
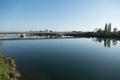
[{"x": 65, "y": 59}]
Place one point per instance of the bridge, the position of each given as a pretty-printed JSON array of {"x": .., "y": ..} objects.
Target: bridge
[{"x": 39, "y": 33}]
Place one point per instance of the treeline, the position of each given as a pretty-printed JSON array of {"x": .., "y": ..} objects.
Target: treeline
[{"x": 107, "y": 32}]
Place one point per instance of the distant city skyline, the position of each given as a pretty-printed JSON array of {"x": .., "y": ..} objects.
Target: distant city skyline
[{"x": 58, "y": 15}]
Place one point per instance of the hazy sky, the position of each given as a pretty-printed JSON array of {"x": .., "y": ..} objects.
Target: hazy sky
[{"x": 60, "y": 15}]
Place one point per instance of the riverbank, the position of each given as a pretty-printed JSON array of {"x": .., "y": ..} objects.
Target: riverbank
[{"x": 8, "y": 69}]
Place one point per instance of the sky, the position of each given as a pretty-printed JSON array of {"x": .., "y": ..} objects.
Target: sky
[{"x": 58, "y": 15}]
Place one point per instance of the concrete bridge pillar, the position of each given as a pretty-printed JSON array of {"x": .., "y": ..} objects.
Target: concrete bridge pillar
[{"x": 22, "y": 36}]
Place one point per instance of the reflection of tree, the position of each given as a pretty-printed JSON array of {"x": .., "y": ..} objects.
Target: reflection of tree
[
  {"x": 107, "y": 42},
  {"x": 94, "y": 39},
  {"x": 97, "y": 39},
  {"x": 114, "y": 42}
]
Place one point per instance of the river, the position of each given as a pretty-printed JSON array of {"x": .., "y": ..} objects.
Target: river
[{"x": 65, "y": 59}]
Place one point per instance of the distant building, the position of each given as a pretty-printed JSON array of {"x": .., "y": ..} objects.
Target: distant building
[{"x": 107, "y": 28}]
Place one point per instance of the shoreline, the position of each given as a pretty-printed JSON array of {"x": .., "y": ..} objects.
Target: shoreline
[
  {"x": 8, "y": 69},
  {"x": 100, "y": 37}
]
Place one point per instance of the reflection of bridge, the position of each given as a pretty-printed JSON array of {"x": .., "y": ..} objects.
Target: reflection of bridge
[{"x": 42, "y": 33}]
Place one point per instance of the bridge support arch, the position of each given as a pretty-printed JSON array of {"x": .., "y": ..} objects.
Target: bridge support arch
[{"x": 22, "y": 36}]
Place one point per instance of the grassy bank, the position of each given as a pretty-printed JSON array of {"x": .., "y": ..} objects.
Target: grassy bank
[{"x": 8, "y": 69}]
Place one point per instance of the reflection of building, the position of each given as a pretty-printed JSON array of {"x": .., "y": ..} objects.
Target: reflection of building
[{"x": 107, "y": 42}]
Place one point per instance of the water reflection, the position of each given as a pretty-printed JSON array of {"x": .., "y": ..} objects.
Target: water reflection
[
  {"x": 107, "y": 42},
  {"x": 0, "y": 45}
]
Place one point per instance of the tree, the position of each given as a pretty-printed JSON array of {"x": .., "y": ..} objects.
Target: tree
[
  {"x": 115, "y": 30},
  {"x": 99, "y": 31}
]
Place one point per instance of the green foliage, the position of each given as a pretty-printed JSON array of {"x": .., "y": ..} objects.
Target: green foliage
[
  {"x": 4, "y": 72},
  {"x": 8, "y": 69}
]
